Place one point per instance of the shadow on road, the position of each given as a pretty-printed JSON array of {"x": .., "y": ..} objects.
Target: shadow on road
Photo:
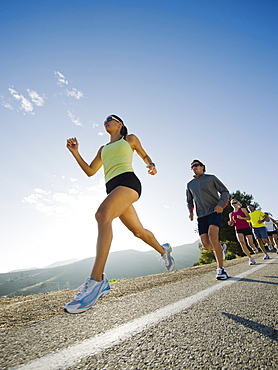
[
  {"x": 256, "y": 281},
  {"x": 260, "y": 328}
]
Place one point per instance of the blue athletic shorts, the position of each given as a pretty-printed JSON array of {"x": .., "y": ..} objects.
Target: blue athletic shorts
[
  {"x": 211, "y": 219},
  {"x": 260, "y": 232}
]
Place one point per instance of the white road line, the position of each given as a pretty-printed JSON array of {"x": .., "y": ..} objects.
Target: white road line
[{"x": 89, "y": 347}]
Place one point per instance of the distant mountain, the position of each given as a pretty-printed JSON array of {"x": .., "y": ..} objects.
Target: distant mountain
[
  {"x": 60, "y": 263},
  {"x": 120, "y": 265},
  {"x": 26, "y": 269}
]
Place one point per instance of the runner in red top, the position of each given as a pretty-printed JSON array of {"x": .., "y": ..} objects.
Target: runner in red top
[{"x": 238, "y": 219}]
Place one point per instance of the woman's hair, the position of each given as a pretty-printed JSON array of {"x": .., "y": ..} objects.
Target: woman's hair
[
  {"x": 200, "y": 163},
  {"x": 123, "y": 131},
  {"x": 238, "y": 202}
]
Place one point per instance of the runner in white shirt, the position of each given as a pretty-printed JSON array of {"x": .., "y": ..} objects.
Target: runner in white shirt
[{"x": 271, "y": 226}]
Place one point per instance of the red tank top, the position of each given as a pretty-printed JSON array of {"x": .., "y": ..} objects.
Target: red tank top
[{"x": 239, "y": 224}]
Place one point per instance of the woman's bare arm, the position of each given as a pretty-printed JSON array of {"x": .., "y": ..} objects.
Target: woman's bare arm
[
  {"x": 90, "y": 170},
  {"x": 136, "y": 145}
]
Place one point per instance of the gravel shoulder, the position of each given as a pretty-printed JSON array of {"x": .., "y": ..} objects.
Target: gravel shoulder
[{"x": 20, "y": 311}]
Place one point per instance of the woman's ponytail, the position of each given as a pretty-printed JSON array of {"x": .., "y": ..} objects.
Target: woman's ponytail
[{"x": 123, "y": 131}]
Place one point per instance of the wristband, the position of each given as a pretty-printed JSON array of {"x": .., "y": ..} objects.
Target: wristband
[{"x": 152, "y": 164}]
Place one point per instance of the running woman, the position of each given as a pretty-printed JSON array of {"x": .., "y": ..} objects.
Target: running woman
[
  {"x": 271, "y": 227},
  {"x": 238, "y": 219},
  {"x": 123, "y": 188},
  {"x": 203, "y": 193}
]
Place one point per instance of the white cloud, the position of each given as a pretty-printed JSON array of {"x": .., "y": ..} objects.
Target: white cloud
[
  {"x": 40, "y": 191},
  {"x": 41, "y": 203},
  {"x": 63, "y": 198},
  {"x": 73, "y": 191},
  {"x": 97, "y": 189},
  {"x": 63, "y": 203},
  {"x": 74, "y": 119},
  {"x": 6, "y": 105},
  {"x": 75, "y": 93},
  {"x": 25, "y": 103},
  {"x": 36, "y": 98},
  {"x": 61, "y": 79}
]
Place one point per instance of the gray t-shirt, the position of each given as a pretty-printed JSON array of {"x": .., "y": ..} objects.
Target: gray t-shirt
[{"x": 204, "y": 191}]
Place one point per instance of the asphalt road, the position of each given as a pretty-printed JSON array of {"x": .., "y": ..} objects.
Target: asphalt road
[{"x": 197, "y": 323}]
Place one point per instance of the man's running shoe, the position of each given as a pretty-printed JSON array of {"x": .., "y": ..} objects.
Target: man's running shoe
[
  {"x": 252, "y": 261},
  {"x": 255, "y": 250},
  {"x": 266, "y": 257},
  {"x": 221, "y": 274},
  {"x": 270, "y": 247},
  {"x": 224, "y": 250},
  {"x": 90, "y": 292},
  {"x": 167, "y": 258}
]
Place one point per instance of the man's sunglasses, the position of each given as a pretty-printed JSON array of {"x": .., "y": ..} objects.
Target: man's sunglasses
[
  {"x": 195, "y": 165},
  {"x": 111, "y": 119},
  {"x": 234, "y": 202}
]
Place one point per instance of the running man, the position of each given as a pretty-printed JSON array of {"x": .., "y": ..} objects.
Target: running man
[
  {"x": 257, "y": 218},
  {"x": 203, "y": 192}
]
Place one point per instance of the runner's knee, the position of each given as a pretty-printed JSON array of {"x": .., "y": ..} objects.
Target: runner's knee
[
  {"x": 102, "y": 216},
  {"x": 207, "y": 245},
  {"x": 138, "y": 233}
]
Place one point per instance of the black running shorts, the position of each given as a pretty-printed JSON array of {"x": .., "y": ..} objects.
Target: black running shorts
[
  {"x": 245, "y": 232},
  {"x": 211, "y": 219},
  {"x": 128, "y": 179}
]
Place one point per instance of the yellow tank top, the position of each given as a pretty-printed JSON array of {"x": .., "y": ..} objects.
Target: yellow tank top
[{"x": 116, "y": 158}]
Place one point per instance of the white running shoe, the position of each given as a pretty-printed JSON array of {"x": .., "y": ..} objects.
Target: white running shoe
[
  {"x": 252, "y": 261},
  {"x": 167, "y": 258},
  {"x": 221, "y": 274},
  {"x": 90, "y": 292},
  {"x": 255, "y": 250},
  {"x": 266, "y": 257}
]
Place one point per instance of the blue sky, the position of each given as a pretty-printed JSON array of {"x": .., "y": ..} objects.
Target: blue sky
[{"x": 192, "y": 79}]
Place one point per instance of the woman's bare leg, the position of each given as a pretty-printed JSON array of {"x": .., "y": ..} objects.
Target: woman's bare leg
[
  {"x": 114, "y": 205},
  {"x": 130, "y": 219},
  {"x": 250, "y": 242},
  {"x": 275, "y": 242},
  {"x": 241, "y": 239}
]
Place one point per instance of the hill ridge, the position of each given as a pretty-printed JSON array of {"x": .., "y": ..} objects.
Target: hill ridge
[{"x": 121, "y": 264}]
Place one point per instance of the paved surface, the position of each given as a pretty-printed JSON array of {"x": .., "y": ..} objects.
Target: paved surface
[{"x": 234, "y": 327}]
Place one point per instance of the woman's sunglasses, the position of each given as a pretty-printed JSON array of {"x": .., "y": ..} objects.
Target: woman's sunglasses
[{"x": 111, "y": 119}]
